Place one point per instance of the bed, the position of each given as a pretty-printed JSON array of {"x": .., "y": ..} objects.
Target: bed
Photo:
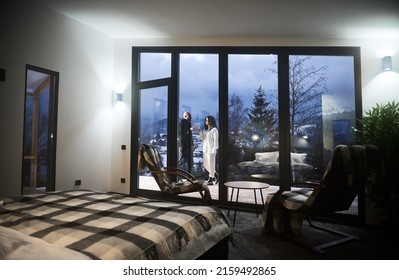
[{"x": 87, "y": 224}]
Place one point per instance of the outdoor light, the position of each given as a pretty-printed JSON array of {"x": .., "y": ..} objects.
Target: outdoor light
[
  {"x": 386, "y": 63},
  {"x": 255, "y": 137},
  {"x": 119, "y": 97}
]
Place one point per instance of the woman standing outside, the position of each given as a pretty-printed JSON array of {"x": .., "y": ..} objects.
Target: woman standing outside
[{"x": 210, "y": 145}]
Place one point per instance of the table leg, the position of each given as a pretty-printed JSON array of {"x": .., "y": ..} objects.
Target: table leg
[
  {"x": 256, "y": 204},
  {"x": 235, "y": 208},
  {"x": 231, "y": 200},
  {"x": 261, "y": 195}
]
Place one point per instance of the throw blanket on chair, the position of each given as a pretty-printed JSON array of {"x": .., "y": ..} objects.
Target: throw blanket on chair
[
  {"x": 345, "y": 176},
  {"x": 166, "y": 176}
]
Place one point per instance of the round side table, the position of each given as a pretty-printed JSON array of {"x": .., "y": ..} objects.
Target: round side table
[{"x": 244, "y": 185}]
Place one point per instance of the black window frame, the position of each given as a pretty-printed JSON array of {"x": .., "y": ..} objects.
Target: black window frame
[{"x": 282, "y": 52}]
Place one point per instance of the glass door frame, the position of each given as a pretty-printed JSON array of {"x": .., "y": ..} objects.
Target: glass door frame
[
  {"x": 52, "y": 125},
  {"x": 170, "y": 83}
]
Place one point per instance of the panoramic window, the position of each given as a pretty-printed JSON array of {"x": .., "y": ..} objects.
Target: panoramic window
[{"x": 279, "y": 115}]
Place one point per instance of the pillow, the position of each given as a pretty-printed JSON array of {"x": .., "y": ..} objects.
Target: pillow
[
  {"x": 267, "y": 156},
  {"x": 298, "y": 157},
  {"x": 15, "y": 245}
]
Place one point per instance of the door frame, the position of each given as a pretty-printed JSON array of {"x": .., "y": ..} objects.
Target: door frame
[{"x": 52, "y": 125}]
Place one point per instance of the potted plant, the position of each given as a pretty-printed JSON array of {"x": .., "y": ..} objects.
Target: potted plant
[{"x": 380, "y": 127}]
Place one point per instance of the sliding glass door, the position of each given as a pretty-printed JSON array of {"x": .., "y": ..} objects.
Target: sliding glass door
[
  {"x": 198, "y": 94},
  {"x": 322, "y": 112},
  {"x": 253, "y": 137}
]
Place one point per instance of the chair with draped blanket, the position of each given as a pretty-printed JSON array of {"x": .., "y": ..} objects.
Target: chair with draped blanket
[
  {"x": 171, "y": 180},
  {"x": 350, "y": 169}
]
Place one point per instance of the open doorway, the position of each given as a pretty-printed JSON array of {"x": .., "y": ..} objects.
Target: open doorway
[{"x": 38, "y": 168}]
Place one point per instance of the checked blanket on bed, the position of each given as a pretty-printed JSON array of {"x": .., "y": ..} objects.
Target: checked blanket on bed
[{"x": 105, "y": 225}]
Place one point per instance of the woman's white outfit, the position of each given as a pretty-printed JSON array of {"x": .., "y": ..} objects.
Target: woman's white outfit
[{"x": 210, "y": 145}]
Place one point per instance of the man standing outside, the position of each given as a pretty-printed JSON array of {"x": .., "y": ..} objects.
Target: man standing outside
[{"x": 186, "y": 147}]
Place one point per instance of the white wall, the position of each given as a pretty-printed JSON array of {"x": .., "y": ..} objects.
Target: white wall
[
  {"x": 34, "y": 35},
  {"x": 120, "y": 167},
  {"x": 377, "y": 86}
]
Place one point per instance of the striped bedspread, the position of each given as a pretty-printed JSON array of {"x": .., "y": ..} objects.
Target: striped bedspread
[{"x": 104, "y": 225}]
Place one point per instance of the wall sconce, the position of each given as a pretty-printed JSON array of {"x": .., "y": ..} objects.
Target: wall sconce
[
  {"x": 119, "y": 96},
  {"x": 387, "y": 63}
]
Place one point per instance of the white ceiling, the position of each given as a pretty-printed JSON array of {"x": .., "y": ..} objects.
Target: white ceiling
[{"x": 235, "y": 18}]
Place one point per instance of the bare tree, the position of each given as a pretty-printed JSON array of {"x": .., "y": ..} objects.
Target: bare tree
[
  {"x": 237, "y": 116},
  {"x": 306, "y": 85}
]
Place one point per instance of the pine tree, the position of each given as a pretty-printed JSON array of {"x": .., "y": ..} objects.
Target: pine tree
[{"x": 262, "y": 117}]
